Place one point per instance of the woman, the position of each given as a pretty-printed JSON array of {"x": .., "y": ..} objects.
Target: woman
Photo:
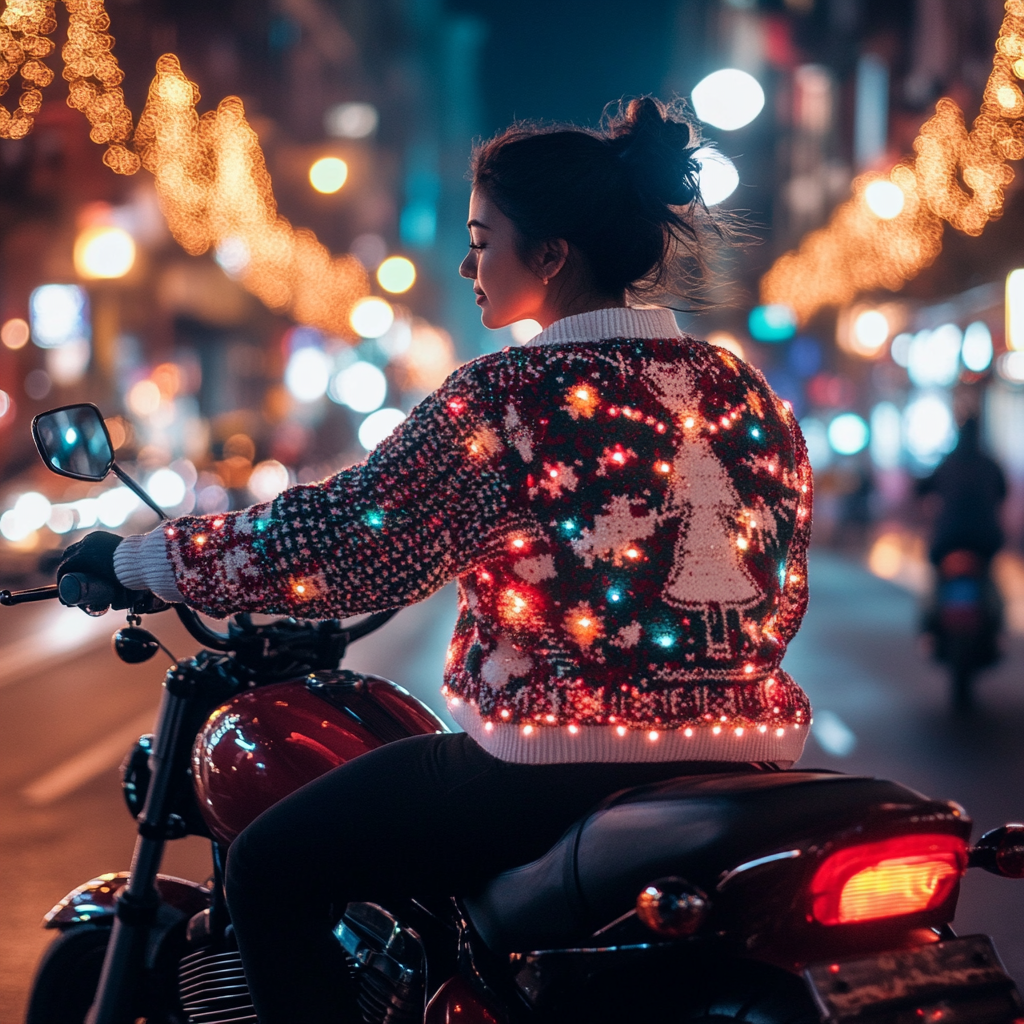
[{"x": 626, "y": 511}]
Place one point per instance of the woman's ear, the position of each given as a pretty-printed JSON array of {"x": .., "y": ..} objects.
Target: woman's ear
[{"x": 550, "y": 258}]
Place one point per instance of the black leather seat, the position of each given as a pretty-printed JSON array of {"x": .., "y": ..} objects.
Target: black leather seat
[{"x": 697, "y": 827}]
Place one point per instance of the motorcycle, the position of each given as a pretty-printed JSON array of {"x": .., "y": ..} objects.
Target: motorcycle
[
  {"x": 964, "y": 622},
  {"x": 775, "y": 897}
]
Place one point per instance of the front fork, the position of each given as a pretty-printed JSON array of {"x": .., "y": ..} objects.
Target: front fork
[{"x": 138, "y": 902}]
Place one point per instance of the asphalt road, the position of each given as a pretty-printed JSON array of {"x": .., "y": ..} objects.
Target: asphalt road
[{"x": 69, "y": 709}]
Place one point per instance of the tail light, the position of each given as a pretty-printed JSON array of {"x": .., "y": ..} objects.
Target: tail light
[{"x": 905, "y": 875}]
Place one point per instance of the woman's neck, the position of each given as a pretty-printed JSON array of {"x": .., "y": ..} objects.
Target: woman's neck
[{"x": 557, "y": 310}]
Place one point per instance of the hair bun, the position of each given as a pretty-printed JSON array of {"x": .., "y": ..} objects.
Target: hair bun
[{"x": 657, "y": 151}]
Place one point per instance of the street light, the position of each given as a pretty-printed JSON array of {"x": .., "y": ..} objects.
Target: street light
[
  {"x": 728, "y": 99},
  {"x": 328, "y": 174}
]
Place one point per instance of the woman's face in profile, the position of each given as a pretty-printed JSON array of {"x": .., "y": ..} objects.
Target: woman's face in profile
[{"x": 506, "y": 289}]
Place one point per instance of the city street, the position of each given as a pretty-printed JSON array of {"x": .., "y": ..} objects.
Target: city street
[{"x": 69, "y": 710}]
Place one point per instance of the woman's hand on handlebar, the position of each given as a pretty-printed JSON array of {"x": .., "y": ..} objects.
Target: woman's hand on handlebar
[{"x": 91, "y": 581}]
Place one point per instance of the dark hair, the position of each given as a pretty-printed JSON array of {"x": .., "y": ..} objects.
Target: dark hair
[{"x": 624, "y": 195}]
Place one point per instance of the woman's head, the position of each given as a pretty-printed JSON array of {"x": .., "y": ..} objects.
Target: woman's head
[{"x": 562, "y": 218}]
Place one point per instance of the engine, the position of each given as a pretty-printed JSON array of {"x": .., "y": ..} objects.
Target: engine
[
  {"x": 387, "y": 961},
  {"x": 213, "y": 989}
]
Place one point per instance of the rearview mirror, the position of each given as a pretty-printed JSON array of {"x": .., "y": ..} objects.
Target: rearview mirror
[{"x": 73, "y": 441}]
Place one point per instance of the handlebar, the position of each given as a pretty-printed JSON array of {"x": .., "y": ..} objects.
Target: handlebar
[
  {"x": 80, "y": 590},
  {"x": 13, "y": 597},
  {"x": 77, "y": 589}
]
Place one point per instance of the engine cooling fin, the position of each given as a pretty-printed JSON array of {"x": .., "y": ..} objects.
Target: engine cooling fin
[{"x": 213, "y": 989}]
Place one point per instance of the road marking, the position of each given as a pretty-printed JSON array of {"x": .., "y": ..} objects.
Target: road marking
[
  {"x": 834, "y": 736},
  {"x": 84, "y": 767},
  {"x": 63, "y": 638}
]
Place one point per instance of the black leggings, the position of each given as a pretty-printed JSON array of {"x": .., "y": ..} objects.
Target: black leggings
[{"x": 428, "y": 816}]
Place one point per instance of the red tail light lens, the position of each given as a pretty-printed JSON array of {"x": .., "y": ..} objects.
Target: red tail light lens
[{"x": 896, "y": 876}]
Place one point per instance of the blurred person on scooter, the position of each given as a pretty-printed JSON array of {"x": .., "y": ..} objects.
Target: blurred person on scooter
[
  {"x": 964, "y": 615},
  {"x": 626, "y": 511}
]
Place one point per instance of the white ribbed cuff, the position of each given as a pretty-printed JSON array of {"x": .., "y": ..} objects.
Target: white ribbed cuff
[
  {"x": 554, "y": 744},
  {"x": 141, "y": 563}
]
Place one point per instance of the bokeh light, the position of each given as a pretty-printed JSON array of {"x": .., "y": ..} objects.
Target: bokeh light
[
  {"x": 307, "y": 374},
  {"x": 886, "y": 435},
  {"x": 885, "y": 199},
  {"x": 934, "y": 357},
  {"x": 361, "y": 386},
  {"x": 351, "y": 120},
  {"x": 58, "y": 314},
  {"x": 379, "y": 425},
  {"x": 143, "y": 399},
  {"x": 328, "y": 174},
  {"x": 372, "y": 317},
  {"x": 15, "y": 333},
  {"x": 728, "y": 99},
  {"x": 929, "y": 428},
  {"x": 848, "y": 434},
  {"x": 718, "y": 176},
  {"x": 166, "y": 488},
  {"x": 899, "y": 350},
  {"x": 819, "y": 451},
  {"x": 870, "y": 333},
  {"x": 976, "y": 351},
  {"x": 772, "y": 323},
  {"x": 396, "y": 274},
  {"x": 723, "y": 339},
  {"x": 1015, "y": 310},
  {"x": 524, "y": 331},
  {"x": 1010, "y": 367},
  {"x": 268, "y": 480},
  {"x": 104, "y": 253},
  {"x": 30, "y": 513}
]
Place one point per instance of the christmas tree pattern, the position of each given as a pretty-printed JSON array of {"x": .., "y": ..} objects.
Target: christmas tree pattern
[{"x": 707, "y": 575}]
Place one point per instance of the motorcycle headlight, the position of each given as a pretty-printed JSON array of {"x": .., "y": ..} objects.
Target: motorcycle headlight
[{"x": 135, "y": 775}]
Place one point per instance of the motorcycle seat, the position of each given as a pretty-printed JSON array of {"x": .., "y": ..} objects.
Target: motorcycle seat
[{"x": 696, "y": 827}]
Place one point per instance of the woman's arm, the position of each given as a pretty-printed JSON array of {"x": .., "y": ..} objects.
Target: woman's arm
[{"x": 387, "y": 532}]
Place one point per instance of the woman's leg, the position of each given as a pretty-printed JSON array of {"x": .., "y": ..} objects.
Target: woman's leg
[{"x": 428, "y": 815}]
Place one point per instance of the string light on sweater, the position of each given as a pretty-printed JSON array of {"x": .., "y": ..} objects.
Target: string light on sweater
[{"x": 621, "y": 546}]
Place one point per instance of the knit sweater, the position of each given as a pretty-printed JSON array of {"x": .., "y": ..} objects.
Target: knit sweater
[{"x": 626, "y": 511}]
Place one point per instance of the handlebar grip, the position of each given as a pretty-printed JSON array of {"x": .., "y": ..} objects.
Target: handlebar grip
[{"x": 76, "y": 589}]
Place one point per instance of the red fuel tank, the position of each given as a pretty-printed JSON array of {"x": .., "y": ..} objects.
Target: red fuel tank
[{"x": 267, "y": 742}]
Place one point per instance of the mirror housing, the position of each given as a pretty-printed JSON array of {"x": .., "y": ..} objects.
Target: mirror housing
[
  {"x": 73, "y": 441},
  {"x": 1001, "y": 851}
]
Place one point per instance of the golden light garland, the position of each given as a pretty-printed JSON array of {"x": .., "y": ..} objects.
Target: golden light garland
[
  {"x": 858, "y": 251},
  {"x": 210, "y": 172}
]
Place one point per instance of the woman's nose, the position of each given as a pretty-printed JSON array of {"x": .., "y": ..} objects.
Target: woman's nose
[{"x": 468, "y": 267}]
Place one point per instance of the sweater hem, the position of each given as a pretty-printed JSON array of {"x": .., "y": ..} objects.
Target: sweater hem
[{"x": 546, "y": 744}]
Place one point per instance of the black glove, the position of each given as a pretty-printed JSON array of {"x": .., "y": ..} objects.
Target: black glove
[{"x": 93, "y": 556}]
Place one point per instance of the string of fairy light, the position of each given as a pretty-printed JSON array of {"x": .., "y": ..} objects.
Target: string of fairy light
[
  {"x": 891, "y": 227},
  {"x": 210, "y": 172}
]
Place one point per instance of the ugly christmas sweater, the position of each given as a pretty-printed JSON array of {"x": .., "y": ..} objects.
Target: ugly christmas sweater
[{"x": 626, "y": 511}]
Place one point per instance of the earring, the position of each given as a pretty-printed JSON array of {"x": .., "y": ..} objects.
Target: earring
[{"x": 545, "y": 282}]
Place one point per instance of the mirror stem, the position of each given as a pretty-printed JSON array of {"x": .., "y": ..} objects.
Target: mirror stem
[{"x": 133, "y": 486}]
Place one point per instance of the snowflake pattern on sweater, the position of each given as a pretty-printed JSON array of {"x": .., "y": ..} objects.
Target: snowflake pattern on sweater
[{"x": 628, "y": 522}]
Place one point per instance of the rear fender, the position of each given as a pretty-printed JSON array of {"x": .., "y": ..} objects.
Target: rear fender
[{"x": 95, "y": 901}]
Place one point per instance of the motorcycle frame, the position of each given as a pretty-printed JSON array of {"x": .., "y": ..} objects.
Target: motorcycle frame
[{"x": 187, "y": 690}]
